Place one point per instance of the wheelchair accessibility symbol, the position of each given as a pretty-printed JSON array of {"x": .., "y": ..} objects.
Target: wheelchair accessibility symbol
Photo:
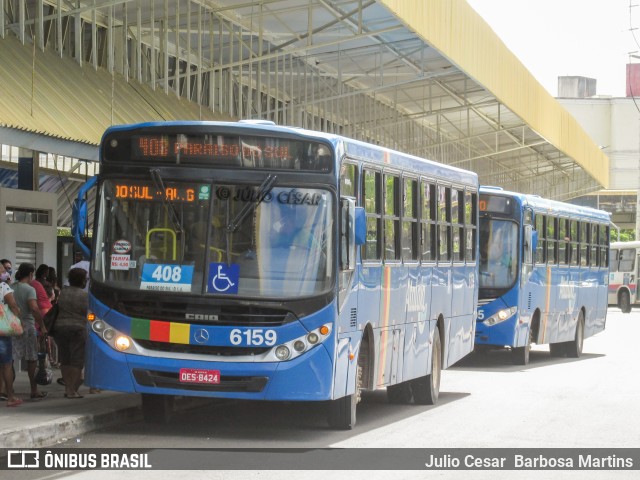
[{"x": 223, "y": 278}]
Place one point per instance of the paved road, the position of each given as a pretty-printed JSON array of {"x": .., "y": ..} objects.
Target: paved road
[{"x": 485, "y": 402}]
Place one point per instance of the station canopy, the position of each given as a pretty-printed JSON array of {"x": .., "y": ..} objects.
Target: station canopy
[{"x": 427, "y": 77}]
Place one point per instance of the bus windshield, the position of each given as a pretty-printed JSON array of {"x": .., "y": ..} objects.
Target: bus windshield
[
  {"x": 498, "y": 253},
  {"x": 181, "y": 240}
]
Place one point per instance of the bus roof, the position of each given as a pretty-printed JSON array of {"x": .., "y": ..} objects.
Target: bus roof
[
  {"x": 342, "y": 145},
  {"x": 551, "y": 206}
]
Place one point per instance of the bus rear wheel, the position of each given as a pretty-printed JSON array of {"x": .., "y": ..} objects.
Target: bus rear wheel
[
  {"x": 400, "y": 393},
  {"x": 426, "y": 389},
  {"x": 557, "y": 349},
  {"x": 624, "y": 302},
  {"x": 574, "y": 348},
  {"x": 157, "y": 408}
]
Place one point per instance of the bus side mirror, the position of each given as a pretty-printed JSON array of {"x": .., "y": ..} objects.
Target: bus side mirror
[
  {"x": 361, "y": 226},
  {"x": 534, "y": 241},
  {"x": 79, "y": 216},
  {"x": 347, "y": 234}
]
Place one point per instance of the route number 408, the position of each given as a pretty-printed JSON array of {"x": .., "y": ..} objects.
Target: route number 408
[
  {"x": 166, "y": 273},
  {"x": 256, "y": 336}
]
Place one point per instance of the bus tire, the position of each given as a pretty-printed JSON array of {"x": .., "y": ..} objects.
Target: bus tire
[
  {"x": 574, "y": 348},
  {"x": 520, "y": 355},
  {"x": 399, "y": 393},
  {"x": 342, "y": 411},
  {"x": 557, "y": 349},
  {"x": 624, "y": 301},
  {"x": 426, "y": 389},
  {"x": 157, "y": 408}
]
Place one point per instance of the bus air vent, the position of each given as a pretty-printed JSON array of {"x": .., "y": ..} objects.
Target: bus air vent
[
  {"x": 529, "y": 302},
  {"x": 485, "y": 301},
  {"x": 223, "y": 315},
  {"x": 354, "y": 318}
]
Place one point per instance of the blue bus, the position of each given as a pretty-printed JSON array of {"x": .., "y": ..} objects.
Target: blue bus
[
  {"x": 251, "y": 261},
  {"x": 544, "y": 271}
]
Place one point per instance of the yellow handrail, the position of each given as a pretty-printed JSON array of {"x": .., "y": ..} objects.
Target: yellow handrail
[{"x": 167, "y": 230}]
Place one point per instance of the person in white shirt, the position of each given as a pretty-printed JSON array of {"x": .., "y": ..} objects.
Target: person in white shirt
[{"x": 82, "y": 263}]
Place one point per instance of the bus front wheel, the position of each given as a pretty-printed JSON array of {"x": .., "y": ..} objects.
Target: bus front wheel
[
  {"x": 520, "y": 355},
  {"x": 426, "y": 389},
  {"x": 157, "y": 408},
  {"x": 342, "y": 411},
  {"x": 624, "y": 302}
]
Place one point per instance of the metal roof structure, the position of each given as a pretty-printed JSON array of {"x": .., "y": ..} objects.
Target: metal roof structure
[{"x": 427, "y": 77}]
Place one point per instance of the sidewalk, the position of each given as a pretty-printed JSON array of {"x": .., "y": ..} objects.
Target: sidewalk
[{"x": 54, "y": 419}]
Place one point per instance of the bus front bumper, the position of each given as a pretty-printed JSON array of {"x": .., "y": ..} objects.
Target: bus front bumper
[
  {"x": 500, "y": 335},
  {"x": 305, "y": 378}
]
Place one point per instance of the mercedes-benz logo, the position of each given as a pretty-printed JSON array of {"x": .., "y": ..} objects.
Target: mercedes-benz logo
[{"x": 201, "y": 336}]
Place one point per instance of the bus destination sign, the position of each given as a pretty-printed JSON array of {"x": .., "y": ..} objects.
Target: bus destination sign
[{"x": 212, "y": 150}]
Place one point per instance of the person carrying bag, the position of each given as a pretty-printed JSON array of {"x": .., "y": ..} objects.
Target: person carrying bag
[{"x": 10, "y": 326}]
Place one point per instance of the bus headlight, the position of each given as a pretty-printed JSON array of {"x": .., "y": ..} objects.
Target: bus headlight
[
  {"x": 500, "y": 316},
  {"x": 109, "y": 334},
  {"x": 296, "y": 347},
  {"x": 283, "y": 352},
  {"x": 98, "y": 326},
  {"x": 114, "y": 338},
  {"x": 122, "y": 343}
]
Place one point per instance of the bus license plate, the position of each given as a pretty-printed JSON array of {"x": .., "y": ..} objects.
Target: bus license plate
[{"x": 193, "y": 375}]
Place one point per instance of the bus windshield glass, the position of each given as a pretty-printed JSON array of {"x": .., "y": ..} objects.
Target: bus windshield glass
[
  {"x": 180, "y": 240},
  {"x": 498, "y": 253}
]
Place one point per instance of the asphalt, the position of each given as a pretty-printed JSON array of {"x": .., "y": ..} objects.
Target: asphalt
[{"x": 54, "y": 419}]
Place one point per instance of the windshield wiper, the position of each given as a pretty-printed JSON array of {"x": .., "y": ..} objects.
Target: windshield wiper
[
  {"x": 263, "y": 191},
  {"x": 169, "y": 206}
]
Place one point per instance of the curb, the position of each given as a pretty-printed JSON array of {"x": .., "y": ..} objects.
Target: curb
[{"x": 60, "y": 430}]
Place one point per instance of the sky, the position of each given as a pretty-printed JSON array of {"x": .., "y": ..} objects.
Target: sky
[{"x": 552, "y": 38}]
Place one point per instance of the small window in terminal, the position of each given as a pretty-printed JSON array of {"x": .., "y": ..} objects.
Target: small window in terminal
[{"x": 28, "y": 216}]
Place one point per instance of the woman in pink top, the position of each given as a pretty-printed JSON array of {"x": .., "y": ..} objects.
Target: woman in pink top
[{"x": 43, "y": 299}]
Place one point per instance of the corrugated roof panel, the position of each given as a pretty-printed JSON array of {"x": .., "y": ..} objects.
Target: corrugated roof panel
[
  {"x": 72, "y": 110},
  {"x": 459, "y": 33}
]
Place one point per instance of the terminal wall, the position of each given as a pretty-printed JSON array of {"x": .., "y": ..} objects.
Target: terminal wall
[{"x": 20, "y": 240}]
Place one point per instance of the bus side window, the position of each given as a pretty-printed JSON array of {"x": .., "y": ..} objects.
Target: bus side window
[
  {"x": 584, "y": 244},
  {"x": 563, "y": 241},
  {"x": 541, "y": 247},
  {"x": 373, "y": 210},
  {"x": 348, "y": 181},
  {"x": 391, "y": 217},
  {"x": 457, "y": 220},
  {"x": 470, "y": 216},
  {"x": 575, "y": 246},
  {"x": 444, "y": 224},
  {"x": 593, "y": 256},
  {"x": 410, "y": 220},
  {"x": 427, "y": 221},
  {"x": 614, "y": 261},
  {"x": 551, "y": 240},
  {"x": 604, "y": 245},
  {"x": 627, "y": 258}
]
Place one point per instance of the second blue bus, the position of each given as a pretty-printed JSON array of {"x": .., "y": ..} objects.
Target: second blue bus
[{"x": 544, "y": 270}]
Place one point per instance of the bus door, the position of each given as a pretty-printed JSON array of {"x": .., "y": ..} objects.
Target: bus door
[
  {"x": 392, "y": 315},
  {"x": 540, "y": 296},
  {"x": 565, "y": 286}
]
